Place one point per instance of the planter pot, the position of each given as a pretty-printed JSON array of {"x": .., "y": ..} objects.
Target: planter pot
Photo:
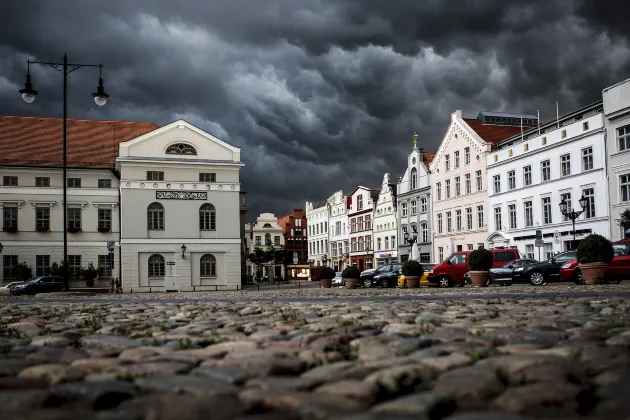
[
  {"x": 89, "y": 283},
  {"x": 479, "y": 278},
  {"x": 326, "y": 283},
  {"x": 351, "y": 283},
  {"x": 413, "y": 282},
  {"x": 593, "y": 273}
]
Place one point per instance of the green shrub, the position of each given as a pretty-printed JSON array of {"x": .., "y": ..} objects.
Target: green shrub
[
  {"x": 480, "y": 260},
  {"x": 58, "y": 269},
  {"x": 23, "y": 272},
  {"x": 326, "y": 273},
  {"x": 89, "y": 272},
  {"x": 412, "y": 268},
  {"x": 595, "y": 248},
  {"x": 351, "y": 273}
]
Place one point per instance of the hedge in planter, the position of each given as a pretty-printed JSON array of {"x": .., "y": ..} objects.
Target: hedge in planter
[
  {"x": 89, "y": 273},
  {"x": 479, "y": 262},
  {"x": 412, "y": 270},
  {"x": 326, "y": 274},
  {"x": 351, "y": 276},
  {"x": 593, "y": 254}
]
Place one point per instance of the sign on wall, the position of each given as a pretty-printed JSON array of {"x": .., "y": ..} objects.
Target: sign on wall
[{"x": 181, "y": 195}]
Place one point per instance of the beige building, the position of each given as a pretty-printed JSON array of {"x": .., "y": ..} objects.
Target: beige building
[{"x": 267, "y": 233}]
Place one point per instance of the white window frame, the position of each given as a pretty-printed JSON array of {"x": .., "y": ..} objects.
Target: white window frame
[
  {"x": 527, "y": 175},
  {"x": 587, "y": 158},
  {"x": 480, "y": 221},
  {"x": 496, "y": 182},
  {"x": 565, "y": 165},
  {"x": 511, "y": 179},
  {"x": 512, "y": 215},
  {"x": 545, "y": 170},
  {"x": 547, "y": 210},
  {"x": 469, "y": 218}
]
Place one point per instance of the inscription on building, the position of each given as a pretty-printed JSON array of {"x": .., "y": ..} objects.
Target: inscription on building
[{"x": 181, "y": 195}]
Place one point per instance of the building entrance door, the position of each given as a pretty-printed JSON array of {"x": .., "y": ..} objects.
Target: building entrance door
[{"x": 460, "y": 248}]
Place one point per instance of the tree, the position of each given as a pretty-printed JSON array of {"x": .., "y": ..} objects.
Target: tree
[
  {"x": 624, "y": 219},
  {"x": 23, "y": 272},
  {"x": 260, "y": 257},
  {"x": 283, "y": 257}
]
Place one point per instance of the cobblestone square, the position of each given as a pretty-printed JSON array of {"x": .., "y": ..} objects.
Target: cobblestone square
[{"x": 518, "y": 352}]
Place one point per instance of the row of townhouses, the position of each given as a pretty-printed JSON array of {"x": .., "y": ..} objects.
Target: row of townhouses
[{"x": 495, "y": 181}]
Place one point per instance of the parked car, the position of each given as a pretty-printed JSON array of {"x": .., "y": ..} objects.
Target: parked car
[
  {"x": 451, "y": 272},
  {"x": 367, "y": 276},
  {"x": 423, "y": 279},
  {"x": 43, "y": 284},
  {"x": 617, "y": 271},
  {"x": 505, "y": 275},
  {"x": 6, "y": 290},
  {"x": 543, "y": 272},
  {"x": 338, "y": 280}
]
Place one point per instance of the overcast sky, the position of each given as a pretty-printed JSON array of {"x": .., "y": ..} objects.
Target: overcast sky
[{"x": 320, "y": 94}]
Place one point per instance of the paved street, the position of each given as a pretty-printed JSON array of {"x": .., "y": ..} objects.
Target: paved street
[{"x": 517, "y": 352}]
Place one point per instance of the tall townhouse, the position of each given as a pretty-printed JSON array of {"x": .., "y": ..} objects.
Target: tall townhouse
[
  {"x": 338, "y": 205},
  {"x": 529, "y": 175},
  {"x": 360, "y": 215},
  {"x": 294, "y": 230},
  {"x": 385, "y": 226},
  {"x": 268, "y": 233},
  {"x": 458, "y": 179},
  {"x": 616, "y": 101},
  {"x": 414, "y": 205},
  {"x": 317, "y": 221}
]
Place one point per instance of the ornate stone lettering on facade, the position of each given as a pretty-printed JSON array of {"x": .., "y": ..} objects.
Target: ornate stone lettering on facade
[{"x": 180, "y": 195}]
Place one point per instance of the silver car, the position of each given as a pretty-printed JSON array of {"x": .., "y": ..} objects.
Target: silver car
[{"x": 338, "y": 281}]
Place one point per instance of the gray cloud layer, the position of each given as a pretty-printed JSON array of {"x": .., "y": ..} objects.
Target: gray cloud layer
[{"x": 321, "y": 94}]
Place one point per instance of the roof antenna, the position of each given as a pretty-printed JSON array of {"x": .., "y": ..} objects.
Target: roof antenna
[
  {"x": 538, "y": 112},
  {"x": 557, "y": 115}
]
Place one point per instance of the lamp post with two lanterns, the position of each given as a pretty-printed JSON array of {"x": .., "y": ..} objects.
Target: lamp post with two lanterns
[
  {"x": 100, "y": 98},
  {"x": 571, "y": 214}
]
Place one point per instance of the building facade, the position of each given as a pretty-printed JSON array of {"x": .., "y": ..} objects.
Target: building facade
[
  {"x": 360, "y": 214},
  {"x": 338, "y": 233},
  {"x": 529, "y": 175},
  {"x": 267, "y": 234},
  {"x": 616, "y": 104},
  {"x": 385, "y": 225},
  {"x": 414, "y": 206},
  {"x": 317, "y": 221},
  {"x": 458, "y": 179},
  {"x": 294, "y": 228}
]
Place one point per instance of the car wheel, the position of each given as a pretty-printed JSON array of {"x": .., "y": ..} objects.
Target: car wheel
[
  {"x": 384, "y": 283},
  {"x": 405, "y": 284},
  {"x": 444, "y": 282},
  {"x": 536, "y": 278},
  {"x": 367, "y": 283},
  {"x": 578, "y": 278}
]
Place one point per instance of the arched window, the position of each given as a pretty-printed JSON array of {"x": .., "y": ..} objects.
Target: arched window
[
  {"x": 267, "y": 239},
  {"x": 266, "y": 225},
  {"x": 181, "y": 149},
  {"x": 208, "y": 266},
  {"x": 155, "y": 216},
  {"x": 414, "y": 179},
  {"x": 156, "y": 265},
  {"x": 424, "y": 232},
  {"x": 207, "y": 217}
]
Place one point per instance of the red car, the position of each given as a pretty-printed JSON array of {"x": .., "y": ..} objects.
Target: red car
[{"x": 618, "y": 269}]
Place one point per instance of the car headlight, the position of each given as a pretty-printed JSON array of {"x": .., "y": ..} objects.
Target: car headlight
[
  {"x": 431, "y": 271},
  {"x": 519, "y": 269},
  {"x": 566, "y": 265}
]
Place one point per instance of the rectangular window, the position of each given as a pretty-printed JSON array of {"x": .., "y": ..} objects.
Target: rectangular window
[
  {"x": 546, "y": 207},
  {"x": 623, "y": 138},
  {"x": 414, "y": 207},
  {"x": 480, "y": 221},
  {"x": 497, "y": 219},
  {"x": 548, "y": 246},
  {"x": 448, "y": 188},
  {"x": 458, "y": 219},
  {"x": 527, "y": 175},
  {"x": 466, "y": 155},
  {"x": 368, "y": 222},
  {"x": 479, "y": 181},
  {"x": 439, "y": 217},
  {"x": 42, "y": 218},
  {"x": 457, "y": 159},
  {"x": 74, "y": 218},
  {"x": 386, "y": 242},
  {"x": 469, "y": 247},
  {"x": 449, "y": 222},
  {"x": 104, "y": 183},
  {"x": 469, "y": 218},
  {"x": 529, "y": 213},
  {"x": 545, "y": 167},
  {"x": 42, "y": 181},
  {"x": 360, "y": 202},
  {"x": 587, "y": 159},
  {"x": 74, "y": 265},
  {"x": 10, "y": 267},
  {"x": 565, "y": 165},
  {"x": 208, "y": 177},
  {"x": 624, "y": 182},
  {"x": 378, "y": 244},
  {"x": 529, "y": 251},
  {"x": 566, "y": 197},
  {"x": 468, "y": 184},
  {"x": 496, "y": 180},
  {"x": 404, "y": 209},
  {"x": 104, "y": 266},
  {"x": 511, "y": 180},
  {"x": 258, "y": 240},
  {"x": 10, "y": 181},
  {"x": 512, "y": 215},
  {"x": 423, "y": 205},
  {"x": 104, "y": 220},
  {"x": 589, "y": 195},
  {"x": 440, "y": 254},
  {"x": 438, "y": 191},
  {"x": 10, "y": 218},
  {"x": 338, "y": 228},
  {"x": 457, "y": 186},
  {"x": 276, "y": 240},
  {"x": 155, "y": 176},
  {"x": 585, "y": 125},
  {"x": 42, "y": 265},
  {"x": 74, "y": 182},
  {"x": 447, "y": 162}
]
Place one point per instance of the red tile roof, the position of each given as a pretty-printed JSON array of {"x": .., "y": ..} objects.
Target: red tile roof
[
  {"x": 427, "y": 158},
  {"x": 37, "y": 141},
  {"x": 491, "y": 133}
]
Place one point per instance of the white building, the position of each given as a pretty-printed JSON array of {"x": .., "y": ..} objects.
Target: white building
[
  {"x": 267, "y": 233},
  {"x": 338, "y": 232},
  {"x": 362, "y": 203},
  {"x": 414, "y": 205},
  {"x": 616, "y": 102},
  {"x": 385, "y": 226},
  {"x": 317, "y": 221},
  {"x": 458, "y": 179}
]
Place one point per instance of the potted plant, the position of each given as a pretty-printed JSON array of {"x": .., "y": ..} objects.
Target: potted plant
[
  {"x": 351, "y": 276},
  {"x": 479, "y": 262},
  {"x": 624, "y": 221},
  {"x": 102, "y": 229},
  {"x": 412, "y": 270},
  {"x": 89, "y": 273},
  {"x": 10, "y": 229},
  {"x": 42, "y": 228},
  {"x": 326, "y": 274},
  {"x": 23, "y": 271},
  {"x": 593, "y": 255}
]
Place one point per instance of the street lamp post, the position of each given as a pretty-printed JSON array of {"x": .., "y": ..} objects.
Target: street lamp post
[
  {"x": 325, "y": 260},
  {"x": 411, "y": 239},
  {"x": 564, "y": 209},
  {"x": 100, "y": 98}
]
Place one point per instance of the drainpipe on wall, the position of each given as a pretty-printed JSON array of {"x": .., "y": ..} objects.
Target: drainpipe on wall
[
  {"x": 117, "y": 175},
  {"x": 605, "y": 160}
]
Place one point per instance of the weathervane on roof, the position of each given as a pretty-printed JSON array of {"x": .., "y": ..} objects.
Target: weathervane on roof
[{"x": 415, "y": 139}]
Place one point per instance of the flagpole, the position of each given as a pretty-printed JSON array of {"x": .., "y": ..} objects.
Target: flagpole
[
  {"x": 557, "y": 115},
  {"x": 538, "y": 122}
]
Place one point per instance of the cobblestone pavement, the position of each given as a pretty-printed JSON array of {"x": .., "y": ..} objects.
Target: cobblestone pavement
[{"x": 458, "y": 354}]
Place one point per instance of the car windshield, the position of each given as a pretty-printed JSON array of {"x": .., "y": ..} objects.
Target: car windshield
[
  {"x": 337, "y": 274},
  {"x": 34, "y": 280},
  {"x": 620, "y": 249}
]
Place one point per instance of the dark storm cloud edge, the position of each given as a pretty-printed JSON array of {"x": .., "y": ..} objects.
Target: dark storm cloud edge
[{"x": 321, "y": 95}]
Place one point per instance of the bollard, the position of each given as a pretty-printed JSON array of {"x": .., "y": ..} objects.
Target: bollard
[
  {"x": 298, "y": 284},
  {"x": 216, "y": 288},
  {"x": 237, "y": 287},
  {"x": 278, "y": 285},
  {"x": 258, "y": 284}
]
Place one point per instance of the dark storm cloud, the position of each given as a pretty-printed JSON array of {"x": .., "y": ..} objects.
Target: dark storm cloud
[{"x": 320, "y": 94}]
